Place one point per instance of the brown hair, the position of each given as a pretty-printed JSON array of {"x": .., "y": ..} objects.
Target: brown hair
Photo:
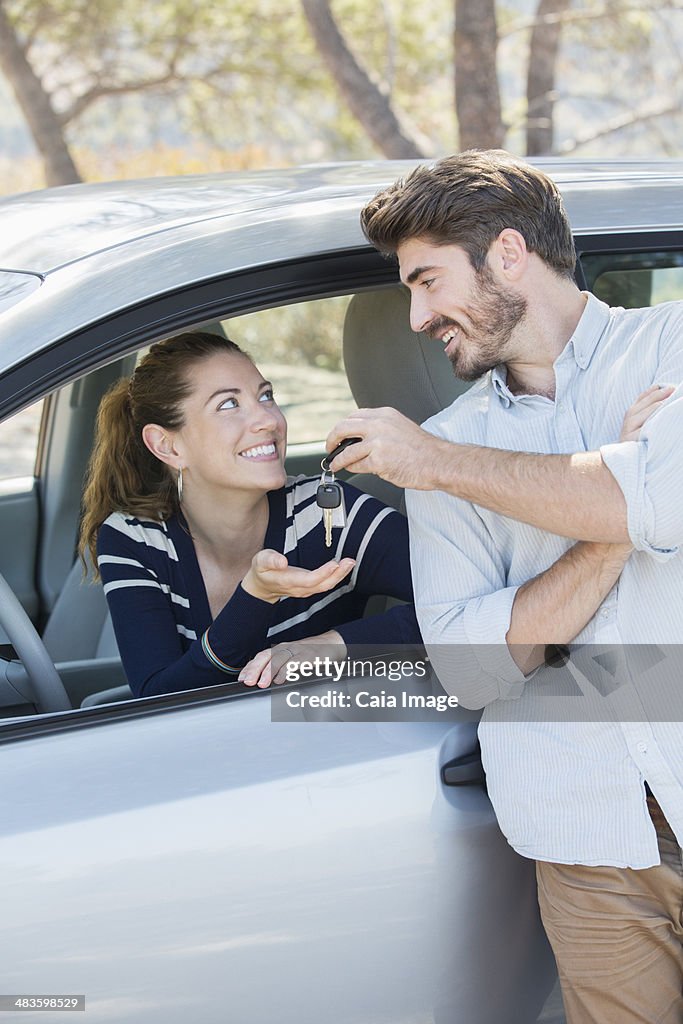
[
  {"x": 467, "y": 200},
  {"x": 123, "y": 475}
]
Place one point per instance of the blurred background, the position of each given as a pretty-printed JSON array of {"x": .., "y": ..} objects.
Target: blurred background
[{"x": 101, "y": 89}]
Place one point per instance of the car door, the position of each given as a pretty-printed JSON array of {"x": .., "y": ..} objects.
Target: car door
[{"x": 187, "y": 856}]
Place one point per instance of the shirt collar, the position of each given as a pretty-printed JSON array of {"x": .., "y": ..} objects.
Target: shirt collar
[
  {"x": 589, "y": 330},
  {"x": 498, "y": 382},
  {"x": 580, "y": 347}
]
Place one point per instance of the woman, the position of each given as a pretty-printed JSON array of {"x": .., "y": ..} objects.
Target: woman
[{"x": 208, "y": 553}]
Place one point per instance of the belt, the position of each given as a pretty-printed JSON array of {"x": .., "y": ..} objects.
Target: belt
[{"x": 662, "y": 826}]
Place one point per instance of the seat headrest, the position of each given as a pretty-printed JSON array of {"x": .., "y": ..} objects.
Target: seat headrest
[{"x": 388, "y": 364}]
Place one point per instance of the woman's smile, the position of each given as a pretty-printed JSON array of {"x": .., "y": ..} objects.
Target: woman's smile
[{"x": 261, "y": 452}]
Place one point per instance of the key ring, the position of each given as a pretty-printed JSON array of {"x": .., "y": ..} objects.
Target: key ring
[{"x": 325, "y": 463}]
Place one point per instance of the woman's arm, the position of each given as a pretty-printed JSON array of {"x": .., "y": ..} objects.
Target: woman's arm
[
  {"x": 376, "y": 536},
  {"x": 149, "y": 618},
  {"x": 153, "y": 624}
]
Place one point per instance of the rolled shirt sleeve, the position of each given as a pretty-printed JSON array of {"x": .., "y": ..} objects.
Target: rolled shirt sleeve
[{"x": 650, "y": 474}]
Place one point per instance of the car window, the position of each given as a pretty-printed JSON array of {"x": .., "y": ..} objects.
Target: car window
[
  {"x": 633, "y": 280},
  {"x": 299, "y": 348},
  {"x": 19, "y": 442}
]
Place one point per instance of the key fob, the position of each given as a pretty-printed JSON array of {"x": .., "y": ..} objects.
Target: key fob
[{"x": 328, "y": 495}]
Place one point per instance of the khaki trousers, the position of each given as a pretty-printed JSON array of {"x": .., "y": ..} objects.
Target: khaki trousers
[{"x": 617, "y": 935}]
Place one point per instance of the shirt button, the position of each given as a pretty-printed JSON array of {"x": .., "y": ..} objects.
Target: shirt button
[
  {"x": 605, "y": 613},
  {"x": 561, "y": 406},
  {"x": 642, "y": 748}
]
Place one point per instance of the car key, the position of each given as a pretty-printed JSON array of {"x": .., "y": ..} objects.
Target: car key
[{"x": 329, "y": 497}]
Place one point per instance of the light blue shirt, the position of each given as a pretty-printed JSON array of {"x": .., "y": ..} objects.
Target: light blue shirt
[{"x": 565, "y": 775}]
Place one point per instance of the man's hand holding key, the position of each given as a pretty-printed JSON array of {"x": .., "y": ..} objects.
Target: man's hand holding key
[
  {"x": 390, "y": 445},
  {"x": 393, "y": 447}
]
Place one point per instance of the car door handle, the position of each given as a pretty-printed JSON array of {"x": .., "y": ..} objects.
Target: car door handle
[{"x": 466, "y": 770}]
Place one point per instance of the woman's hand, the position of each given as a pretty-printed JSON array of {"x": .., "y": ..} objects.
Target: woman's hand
[
  {"x": 271, "y": 577},
  {"x": 643, "y": 407},
  {"x": 270, "y": 666}
]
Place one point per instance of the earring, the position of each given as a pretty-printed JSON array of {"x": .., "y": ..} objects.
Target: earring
[{"x": 179, "y": 484}]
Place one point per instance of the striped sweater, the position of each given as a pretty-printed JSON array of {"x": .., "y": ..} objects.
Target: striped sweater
[{"x": 160, "y": 610}]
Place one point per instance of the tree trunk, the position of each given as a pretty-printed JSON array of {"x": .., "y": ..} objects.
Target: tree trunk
[
  {"x": 544, "y": 47},
  {"x": 477, "y": 95},
  {"x": 366, "y": 100},
  {"x": 36, "y": 107}
]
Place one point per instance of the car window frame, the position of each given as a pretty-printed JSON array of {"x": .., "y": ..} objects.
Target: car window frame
[
  {"x": 82, "y": 352},
  {"x": 315, "y": 277}
]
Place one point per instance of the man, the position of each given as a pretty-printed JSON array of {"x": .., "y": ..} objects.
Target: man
[{"x": 535, "y": 522}]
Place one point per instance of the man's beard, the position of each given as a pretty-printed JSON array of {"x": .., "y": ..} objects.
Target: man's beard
[{"x": 494, "y": 312}]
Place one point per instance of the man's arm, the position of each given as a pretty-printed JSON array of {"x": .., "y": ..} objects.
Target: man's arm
[
  {"x": 555, "y": 606},
  {"x": 485, "y": 635},
  {"x": 551, "y": 608},
  {"x": 570, "y": 495}
]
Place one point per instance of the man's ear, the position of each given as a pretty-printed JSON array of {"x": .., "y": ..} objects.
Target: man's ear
[
  {"x": 510, "y": 254},
  {"x": 161, "y": 444}
]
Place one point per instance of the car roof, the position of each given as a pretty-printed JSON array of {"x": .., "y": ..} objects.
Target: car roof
[
  {"x": 50, "y": 228},
  {"x": 100, "y": 248}
]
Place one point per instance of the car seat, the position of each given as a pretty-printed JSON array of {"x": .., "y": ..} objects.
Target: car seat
[
  {"x": 388, "y": 364},
  {"x": 79, "y": 638}
]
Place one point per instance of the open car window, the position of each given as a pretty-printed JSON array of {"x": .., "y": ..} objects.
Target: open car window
[
  {"x": 299, "y": 348},
  {"x": 19, "y": 443}
]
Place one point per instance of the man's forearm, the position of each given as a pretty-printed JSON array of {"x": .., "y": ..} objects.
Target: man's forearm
[
  {"x": 571, "y": 495},
  {"x": 555, "y": 606}
]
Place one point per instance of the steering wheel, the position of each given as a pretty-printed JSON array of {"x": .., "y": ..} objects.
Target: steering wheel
[{"x": 48, "y": 691}]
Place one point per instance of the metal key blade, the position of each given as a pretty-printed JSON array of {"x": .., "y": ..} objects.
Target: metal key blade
[{"x": 328, "y": 497}]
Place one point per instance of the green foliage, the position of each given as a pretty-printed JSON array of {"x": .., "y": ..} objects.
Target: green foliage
[
  {"x": 240, "y": 72},
  {"x": 302, "y": 334},
  {"x": 244, "y": 76}
]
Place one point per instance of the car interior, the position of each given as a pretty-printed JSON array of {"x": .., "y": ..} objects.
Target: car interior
[{"x": 384, "y": 363}]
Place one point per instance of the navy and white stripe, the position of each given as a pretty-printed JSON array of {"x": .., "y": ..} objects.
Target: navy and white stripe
[
  {"x": 161, "y": 613},
  {"x": 565, "y": 791}
]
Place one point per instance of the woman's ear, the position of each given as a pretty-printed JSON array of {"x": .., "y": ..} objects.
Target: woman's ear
[{"x": 161, "y": 444}]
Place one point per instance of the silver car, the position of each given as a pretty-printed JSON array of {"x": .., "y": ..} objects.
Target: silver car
[{"x": 185, "y": 856}]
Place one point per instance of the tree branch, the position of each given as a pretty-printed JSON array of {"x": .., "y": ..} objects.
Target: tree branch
[
  {"x": 544, "y": 46},
  {"x": 570, "y": 17},
  {"x": 96, "y": 92},
  {"x": 36, "y": 106},
  {"x": 646, "y": 113},
  {"x": 366, "y": 100},
  {"x": 101, "y": 89},
  {"x": 477, "y": 93}
]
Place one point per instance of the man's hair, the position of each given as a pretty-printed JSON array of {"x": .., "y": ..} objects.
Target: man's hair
[{"x": 467, "y": 200}]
